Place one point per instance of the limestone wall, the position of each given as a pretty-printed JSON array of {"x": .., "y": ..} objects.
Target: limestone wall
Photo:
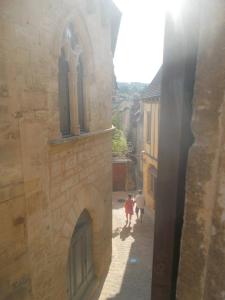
[
  {"x": 148, "y": 163},
  {"x": 151, "y": 147},
  {"x": 202, "y": 265},
  {"x": 44, "y": 187},
  {"x": 150, "y": 155}
]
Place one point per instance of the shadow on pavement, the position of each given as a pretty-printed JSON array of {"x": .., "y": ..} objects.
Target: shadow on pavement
[
  {"x": 136, "y": 284},
  {"x": 136, "y": 243}
]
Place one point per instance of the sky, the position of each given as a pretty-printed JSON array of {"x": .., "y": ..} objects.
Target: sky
[{"x": 139, "y": 48}]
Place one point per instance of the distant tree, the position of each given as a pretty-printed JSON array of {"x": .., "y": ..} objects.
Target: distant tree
[
  {"x": 130, "y": 88},
  {"x": 119, "y": 142}
]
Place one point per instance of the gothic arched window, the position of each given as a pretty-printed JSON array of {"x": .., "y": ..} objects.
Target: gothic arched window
[
  {"x": 81, "y": 270},
  {"x": 71, "y": 85},
  {"x": 64, "y": 98},
  {"x": 80, "y": 94}
]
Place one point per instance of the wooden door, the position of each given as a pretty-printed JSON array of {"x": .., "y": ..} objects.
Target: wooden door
[
  {"x": 81, "y": 270},
  {"x": 119, "y": 176}
]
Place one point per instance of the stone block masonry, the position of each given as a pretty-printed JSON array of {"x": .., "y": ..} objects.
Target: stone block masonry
[
  {"x": 202, "y": 262},
  {"x": 44, "y": 187}
]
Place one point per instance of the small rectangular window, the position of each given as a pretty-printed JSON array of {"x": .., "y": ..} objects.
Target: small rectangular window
[
  {"x": 154, "y": 185},
  {"x": 149, "y": 127},
  {"x": 152, "y": 182}
]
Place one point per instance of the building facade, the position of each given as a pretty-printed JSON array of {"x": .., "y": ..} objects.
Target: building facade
[
  {"x": 140, "y": 144},
  {"x": 55, "y": 146},
  {"x": 151, "y": 107},
  {"x": 128, "y": 114}
]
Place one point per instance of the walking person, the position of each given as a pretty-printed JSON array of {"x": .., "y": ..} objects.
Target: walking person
[
  {"x": 129, "y": 205},
  {"x": 140, "y": 204}
]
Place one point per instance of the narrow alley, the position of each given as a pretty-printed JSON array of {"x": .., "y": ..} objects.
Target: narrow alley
[{"x": 129, "y": 275}]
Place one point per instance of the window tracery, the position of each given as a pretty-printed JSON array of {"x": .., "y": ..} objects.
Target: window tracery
[{"x": 71, "y": 85}]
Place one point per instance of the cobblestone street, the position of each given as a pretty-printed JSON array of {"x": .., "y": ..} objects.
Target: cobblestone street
[{"x": 129, "y": 276}]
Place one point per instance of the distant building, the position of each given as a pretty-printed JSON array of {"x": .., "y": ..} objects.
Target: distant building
[
  {"x": 139, "y": 145},
  {"x": 151, "y": 107},
  {"x": 128, "y": 110}
]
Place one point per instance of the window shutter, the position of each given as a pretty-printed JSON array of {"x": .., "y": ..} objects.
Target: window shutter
[
  {"x": 64, "y": 101},
  {"x": 80, "y": 88}
]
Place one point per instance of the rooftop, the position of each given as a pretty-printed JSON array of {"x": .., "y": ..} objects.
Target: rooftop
[{"x": 154, "y": 88}]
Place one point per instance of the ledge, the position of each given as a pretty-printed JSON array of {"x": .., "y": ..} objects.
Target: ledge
[
  {"x": 73, "y": 138},
  {"x": 150, "y": 156},
  {"x": 151, "y": 99}
]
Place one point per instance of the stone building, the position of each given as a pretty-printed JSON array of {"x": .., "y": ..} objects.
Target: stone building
[
  {"x": 140, "y": 143},
  {"x": 130, "y": 114},
  {"x": 151, "y": 104},
  {"x": 56, "y": 76}
]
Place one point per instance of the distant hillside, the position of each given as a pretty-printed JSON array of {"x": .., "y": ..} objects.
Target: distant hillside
[{"x": 131, "y": 87}]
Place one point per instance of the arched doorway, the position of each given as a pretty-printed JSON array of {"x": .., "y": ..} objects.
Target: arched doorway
[{"x": 81, "y": 270}]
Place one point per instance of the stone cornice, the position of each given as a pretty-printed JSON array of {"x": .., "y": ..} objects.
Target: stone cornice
[{"x": 74, "y": 138}]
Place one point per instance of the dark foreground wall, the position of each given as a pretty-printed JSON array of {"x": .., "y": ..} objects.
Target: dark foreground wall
[
  {"x": 192, "y": 86},
  {"x": 202, "y": 265}
]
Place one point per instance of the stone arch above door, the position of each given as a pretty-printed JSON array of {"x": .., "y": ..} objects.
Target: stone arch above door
[
  {"x": 81, "y": 270},
  {"x": 79, "y": 199}
]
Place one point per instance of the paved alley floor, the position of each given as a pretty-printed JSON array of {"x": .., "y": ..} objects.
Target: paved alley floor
[{"x": 129, "y": 276}]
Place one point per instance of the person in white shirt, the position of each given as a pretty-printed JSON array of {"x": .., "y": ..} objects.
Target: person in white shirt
[{"x": 140, "y": 204}]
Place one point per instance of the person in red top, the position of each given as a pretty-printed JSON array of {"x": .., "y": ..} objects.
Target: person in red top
[{"x": 129, "y": 211}]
